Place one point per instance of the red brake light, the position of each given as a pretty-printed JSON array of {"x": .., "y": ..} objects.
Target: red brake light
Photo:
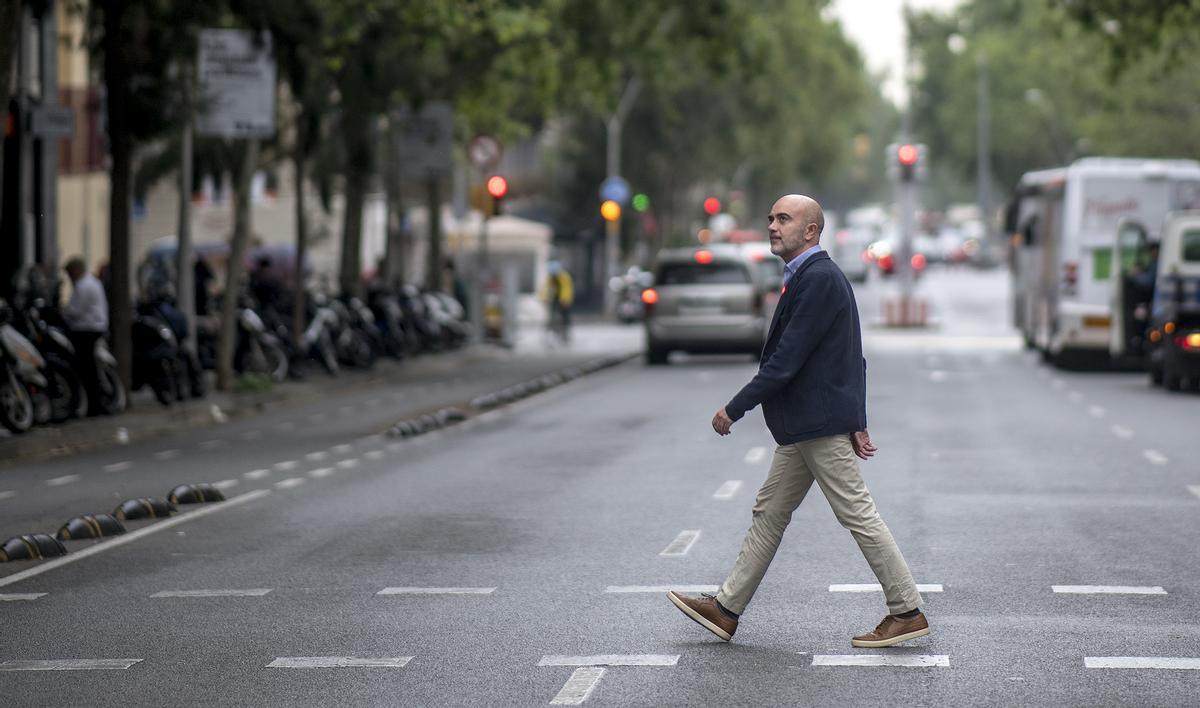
[
  {"x": 649, "y": 296},
  {"x": 886, "y": 262},
  {"x": 704, "y": 257},
  {"x": 918, "y": 261},
  {"x": 1190, "y": 341}
]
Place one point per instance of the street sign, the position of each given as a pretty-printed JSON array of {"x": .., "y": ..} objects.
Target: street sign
[
  {"x": 52, "y": 122},
  {"x": 484, "y": 151},
  {"x": 615, "y": 189},
  {"x": 236, "y": 74},
  {"x": 426, "y": 139}
]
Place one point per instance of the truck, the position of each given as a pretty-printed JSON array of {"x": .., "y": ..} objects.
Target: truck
[{"x": 1062, "y": 223}]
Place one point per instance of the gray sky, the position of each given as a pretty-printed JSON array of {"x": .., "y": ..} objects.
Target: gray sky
[{"x": 877, "y": 26}]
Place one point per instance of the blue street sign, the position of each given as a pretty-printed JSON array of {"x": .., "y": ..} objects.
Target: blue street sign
[{"x": 616, "y": 189}]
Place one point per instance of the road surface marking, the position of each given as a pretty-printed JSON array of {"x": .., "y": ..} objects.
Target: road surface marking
[
  {"x": 7, "y": 494},
  {"x": 1140, "y": 662},
  {"x": 211, "y": 444},
  {"x": 1194, "y": 489},
  {"x": 682, "y": 543},
  {"x": 1097, "y": 411},
  {"x": 118, "y": 467},
  {"x": 395, "y": 446},
  {"x": 1058, "y": 383},
  {"x": 1155, "y": 457},
  {"x": 341, "y": 449},
  {"x": 755, "y": 455},
  {"x": 1122, "y": 432},
  {"x": 581, "y": 684},
  {"x": 252, "y": 592},
  {"x": 348, "y": 464},
  {"x": 436, "y": 591},
  {"x": 320, "y": 472},
  {"x": 118, "y": 541},
  {"x": 285, "y": 465},
  {"x": 251, "y": 435},
  {"x": 374, "y": 402},
  {"x": 937, "y": 376},
  {"x": 373, "y": 454},
  {"x": 727, "y": 490},
  {"x": 67, "y": 664},
  {"x": 908, "y": 660},
  {"x": 256, "y": 474},
  {"x": 612, "y": 660},
  {"x": 1108, "y": 589},
  {"x": 339, "y": 662},
  {"x": 166, "y": 454},
  {"x": 316, "y": 456},
  {"x": 226, "y": 484},
  {"x": 65, "y": 479},
  {"x": 285, "y": 426},
  {"x": 1075, "y": 396},
  {"x": 20, "y": 596},
  {"x": 876, "y": 587},
  {"x": 289, "y": 482},
  {"x": 661, "y": 588}
]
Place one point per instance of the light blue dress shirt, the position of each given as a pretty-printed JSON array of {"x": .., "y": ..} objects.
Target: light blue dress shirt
[{"x": 794, "y": 265}]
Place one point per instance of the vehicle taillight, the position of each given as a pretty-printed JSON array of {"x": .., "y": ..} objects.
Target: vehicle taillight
[
  {"x": 1190, "y": 342},
  {"x": 918, "y": 261},
  {"x": 649, "y": 296},
  {"x": 887, "y": 263},
  {"x": 704, "y": 257}
]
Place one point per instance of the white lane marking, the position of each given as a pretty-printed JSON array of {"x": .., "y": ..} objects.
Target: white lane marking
[
  {"x": 1122, "y": 432},
  {"x": 20, "y": 596},
  {"x": 166, "y": 454},
  {"x": 251, "y": 435},
  {"x": 1097, "y": 411},
  {"x": 341, "y": 449},
  {"x": 7, "y": 494},
  {"x": 251, "y": 592},
  {"x": 1140, "y": 662},
  {"x": 316, "y": 456},
  {"x": 348, "y": 464},
  {"x": 612, "y": 660},
  {"x": 67, "y": 664},
  {"x": 1194, "y": 489},
  {"x": 937, "y": 376},
  {"x": 755, "y": 455},
  {"x": 65, "y": 479},
  {"x": 909, "y": 660},
  {"x": 876, "y": 587},
  {"x": 373, "y": 454},
  {"x": 581, "y": 684},
  {"x": 211, "y": 444},
  {"x": 289, "y": 482},
  {"x": 1109, "y": 589},
  {"x": 727, "y": 490},
  {"x": 118, "y": 467},
  {"x": 1075, "y": 396},
  {"x": 682, "y": 543},
  {"x": 285, "y": 465},
  {"x": 320, "y": 472},
  {"x": 285, "y": 426},
  {"x": 256, "y": 474},
  {"x": 395, "y": 447},
  {"x": 436, "y": 591},
  {"x": 226, "y": 484},
  {"x": 661, "y": 588},
  {"x": 339, "y": 662},
  {"x": 1155, "y": 457},
  {"x": 118, "y": 541}
]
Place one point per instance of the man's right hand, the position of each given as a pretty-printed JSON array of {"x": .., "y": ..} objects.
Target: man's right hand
[{"x": 863, "y": 447}]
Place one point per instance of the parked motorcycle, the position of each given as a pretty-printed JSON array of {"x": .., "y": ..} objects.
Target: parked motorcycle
[
  {"x": 22, "y": 383},
  {"x": 68, "y": 396},
  {"x": 155, "y": 355}
]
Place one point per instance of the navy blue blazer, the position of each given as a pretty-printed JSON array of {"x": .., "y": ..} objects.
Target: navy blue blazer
[{"x": 812, "y": 377}]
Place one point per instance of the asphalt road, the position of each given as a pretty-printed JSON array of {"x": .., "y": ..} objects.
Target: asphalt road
[{"x": 1001, "y": 479}]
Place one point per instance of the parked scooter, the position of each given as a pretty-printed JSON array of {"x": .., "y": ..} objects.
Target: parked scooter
[
  {"x": 22, "y": 383},
  {"x": 155, "y": 355},
  {"x": 68, "y": 397}
]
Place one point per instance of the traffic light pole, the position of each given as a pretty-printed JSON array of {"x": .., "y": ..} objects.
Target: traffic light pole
[{"x": 612, "y": 229}]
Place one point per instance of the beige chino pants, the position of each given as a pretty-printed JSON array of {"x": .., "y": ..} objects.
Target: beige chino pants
[{"x": 832, "y": 463}]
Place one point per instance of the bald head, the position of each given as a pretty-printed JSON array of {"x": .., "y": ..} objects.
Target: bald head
[{"x": 794, "y": 225}]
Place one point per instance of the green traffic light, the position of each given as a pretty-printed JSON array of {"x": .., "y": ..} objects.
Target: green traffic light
[{"x": 641, "y": 202}]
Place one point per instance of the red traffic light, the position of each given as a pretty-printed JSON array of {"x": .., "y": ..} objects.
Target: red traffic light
[
  {"x": 712, "y": 206},
  {"x": 907, "y": 154},
  {"x": 497, "y": 186}
]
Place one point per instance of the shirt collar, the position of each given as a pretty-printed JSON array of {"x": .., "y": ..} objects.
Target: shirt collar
[{"x": 794, "y": 265}]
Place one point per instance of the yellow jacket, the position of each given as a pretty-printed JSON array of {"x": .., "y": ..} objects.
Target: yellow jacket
[{"x": 559, "y": 283}]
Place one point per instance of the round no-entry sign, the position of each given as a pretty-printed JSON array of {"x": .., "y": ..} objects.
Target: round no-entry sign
[{"x": 484, "y": 151}]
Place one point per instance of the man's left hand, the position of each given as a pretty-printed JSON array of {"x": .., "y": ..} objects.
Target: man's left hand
[{"x": 722, "y": 422}]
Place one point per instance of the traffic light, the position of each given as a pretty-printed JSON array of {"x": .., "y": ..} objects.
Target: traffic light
[
  {"x": 712, "y": 206},
  {"x": 497, "y": 187},
  {"x": 610, "y": 210},
  {"x": 906, "y": 162}
]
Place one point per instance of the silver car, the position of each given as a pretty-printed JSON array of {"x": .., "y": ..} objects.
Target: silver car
[{"x": 710, "y": 299}]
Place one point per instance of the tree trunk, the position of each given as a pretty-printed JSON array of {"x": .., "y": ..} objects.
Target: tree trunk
[
  {"x": 394, "y": 255},
  {"x": 120, "y": 141},
  {"x": 433, "y": 265},
  {"x": 356, "y": 133},
  {"x": 226, "y": 338},
  {"x": 10, "y": 20},
  {"x": 298, "y": 303}
]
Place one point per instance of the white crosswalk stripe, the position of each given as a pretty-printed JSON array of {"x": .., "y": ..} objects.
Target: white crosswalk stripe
[
  {"x": 905, "y": 660},
  {"x": 581, "y": 684},
  {"x": 339, "y": 662},
  {"x": 67, "y": 664}
]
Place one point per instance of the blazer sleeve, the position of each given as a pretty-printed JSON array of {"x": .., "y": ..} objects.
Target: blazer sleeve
[{"x": 818, "y": 303}]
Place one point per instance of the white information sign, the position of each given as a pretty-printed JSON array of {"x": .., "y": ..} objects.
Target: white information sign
[
  {"x": 426, "y": 139},
  {"x": 236, "y": 72}
]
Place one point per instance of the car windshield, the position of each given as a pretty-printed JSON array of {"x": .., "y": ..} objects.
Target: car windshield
[
  {"x": 703, "y": 274},
  {"x": 1191, "y": 246}
]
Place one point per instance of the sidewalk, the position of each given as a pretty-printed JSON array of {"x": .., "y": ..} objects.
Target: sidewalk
[{"x": 533, "y": 353}]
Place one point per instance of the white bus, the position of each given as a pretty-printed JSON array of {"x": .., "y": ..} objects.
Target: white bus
[{"x": 1062, "y": 222}]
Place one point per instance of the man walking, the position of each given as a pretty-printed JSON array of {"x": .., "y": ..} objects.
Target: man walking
[
  {"x": 811, "y": 383},
  {"x": 86, "y": 315}
]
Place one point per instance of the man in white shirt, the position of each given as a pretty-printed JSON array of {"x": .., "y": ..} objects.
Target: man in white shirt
[{"x": 86, "y": 314}]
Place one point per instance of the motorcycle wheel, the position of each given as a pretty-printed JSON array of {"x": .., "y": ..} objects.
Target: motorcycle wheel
[
  {"x": 16, "y": 406},
  {"x": 112, "y": 391},
  {"x": 64, "y": 390}
]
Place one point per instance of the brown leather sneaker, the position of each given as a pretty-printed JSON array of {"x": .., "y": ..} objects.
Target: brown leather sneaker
[
  {"x": 705, "y": 612},
  {"x": 893, "y": 630}
]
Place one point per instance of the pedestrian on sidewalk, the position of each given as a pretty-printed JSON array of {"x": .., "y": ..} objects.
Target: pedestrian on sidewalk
[
  {"x": 559, "y": 295},
  {"x": 86, "y": 315},
  {"x": 811, "y": 383}
]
